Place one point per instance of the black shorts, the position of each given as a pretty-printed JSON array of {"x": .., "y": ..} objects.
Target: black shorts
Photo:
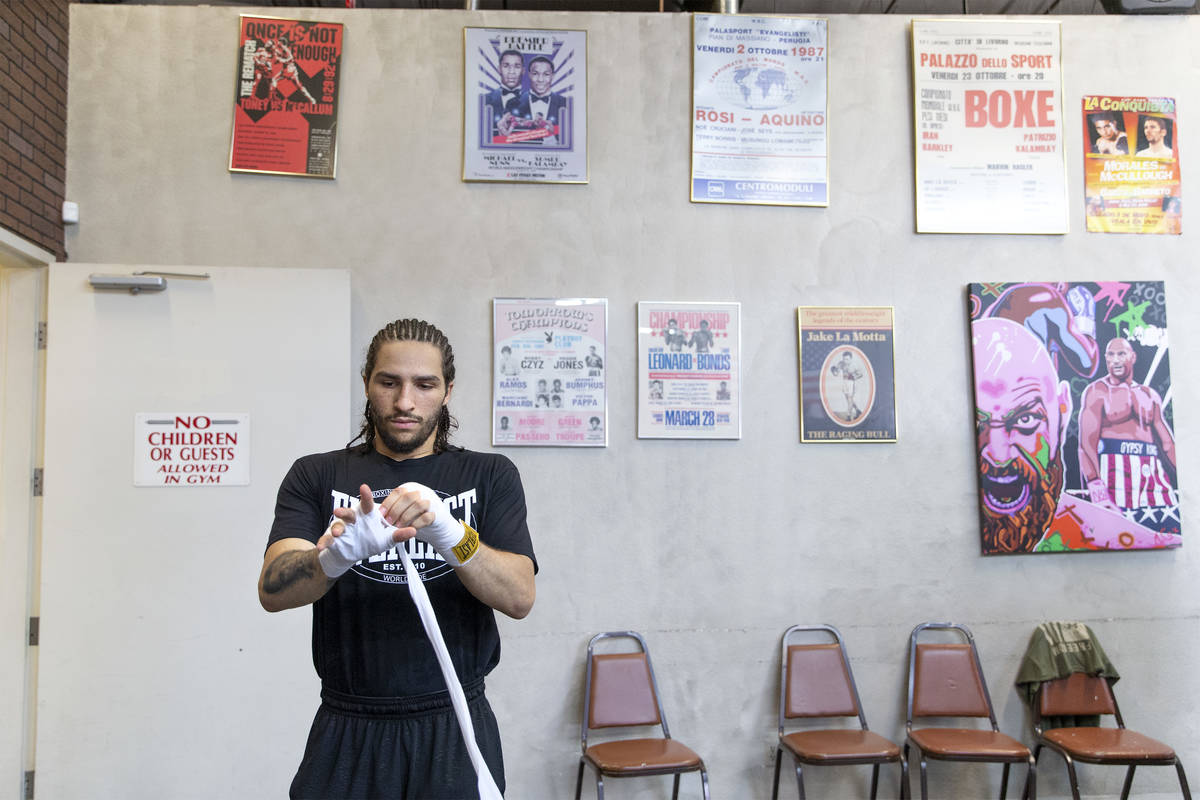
[{"x": 404, "y": 749}]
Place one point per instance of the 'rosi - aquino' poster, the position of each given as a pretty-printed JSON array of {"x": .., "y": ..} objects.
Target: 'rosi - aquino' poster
[
  {"x": 689, "y": 370},
  {"x": 286, "y": 97},
  {"x": 1131, "y": 166},
  {"x": 549, "y": 377},
  {"x": 759, "y": 110},
  {"x": 525, "y": 105},
  {"x": 1074, "y": 418}
]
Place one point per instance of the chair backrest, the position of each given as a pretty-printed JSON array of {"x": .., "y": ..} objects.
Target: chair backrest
[
  {"x": 1077, "y": 695},
  {"x": 946, "y": 680},
  {"x": 620, "y": 689},
  {"x": 815, "y": 679}
]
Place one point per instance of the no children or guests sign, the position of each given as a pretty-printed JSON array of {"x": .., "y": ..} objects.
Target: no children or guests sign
[{"x": 187, "y": 449}]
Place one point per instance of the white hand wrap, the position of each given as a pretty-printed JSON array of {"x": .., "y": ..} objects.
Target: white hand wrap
[
  {"x": 368, "y": 535},
  {"x": 456, "y": 542}
]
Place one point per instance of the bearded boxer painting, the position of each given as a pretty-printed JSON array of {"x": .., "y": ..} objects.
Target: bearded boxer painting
[{"x": 1047, "y": 481}]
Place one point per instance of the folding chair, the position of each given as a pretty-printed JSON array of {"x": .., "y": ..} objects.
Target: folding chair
[
  {"x": 620, "y": 690},
  {"x": 815, "y": 682},
  {"x": 1089, "y": 695},
  {"x": 946, "y": 680}
]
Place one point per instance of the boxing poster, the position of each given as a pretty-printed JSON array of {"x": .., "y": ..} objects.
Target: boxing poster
[
  {"x": 689, "y": 370},
  {"x": 525, "y": 105},
  {"x": 759, "y": 109},
  {"x": 1131, "y": 165},
  {"x": 1074, "y": 420},
  {"x": 286, "y": 97},
  {"x": 847, "y": 374},
  {"x": 549, "y": 382},
  {"x": 987, "y": 105}
]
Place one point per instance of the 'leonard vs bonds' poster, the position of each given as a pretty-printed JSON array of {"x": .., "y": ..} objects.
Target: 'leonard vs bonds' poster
[
  {"x": 689, "y": 370},
  {"x": 989, "y": 127},
  {"x": 285, "y": 97}
]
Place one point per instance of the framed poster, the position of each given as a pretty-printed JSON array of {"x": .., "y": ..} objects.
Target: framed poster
[
  {"x": 759, "y": 110},
  {"x": 847, "y": 374},
  {"x": 1074, "y": 419},
  {"x": 525, "y": 105},
  {"x": 549, "y": 382},
  {"x": 1131, "y": 165},
  {"x": 987, "y": 102},
  {"x": 286, "y": 97},
  {"x": 689, "y": 370}
]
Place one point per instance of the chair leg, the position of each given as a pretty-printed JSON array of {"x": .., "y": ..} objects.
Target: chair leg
[
  {"x": 1004, "y": 781},
  {"x": 1128, "y": 782},
  {"x": 924, "y": 783},
  {"x": 1183, "y": 784},
  {"x": 579, "y": 781},
  {"x": 599, "y": 786},
  {"x": 800, "y": 779},
  {"x": 704, "y": 781},
  {"x": 874, "y": 781},
  {"x": 905, "y": 789},
  {"x": 1030, "y": 792},
  {"x": 1071, "y": 774},
  {"x": 775, "y": 788}
]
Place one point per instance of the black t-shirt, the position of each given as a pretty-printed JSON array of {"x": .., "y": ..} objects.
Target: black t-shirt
[{"x": 367, "y": 636}]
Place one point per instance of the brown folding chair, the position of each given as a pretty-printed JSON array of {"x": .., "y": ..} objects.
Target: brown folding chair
[
  {"x": 1089, "y": 695},
  {"x": 946, "y": 680},
  {"x": 620, "y": 691},
  {"x": 815, "y": 682}
]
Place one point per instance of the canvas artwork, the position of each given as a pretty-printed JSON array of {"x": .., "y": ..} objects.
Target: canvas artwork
[{"x": 1073, "y": 417}]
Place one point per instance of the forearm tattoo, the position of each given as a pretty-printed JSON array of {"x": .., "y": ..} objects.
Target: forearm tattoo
[{"x": 290, "y": 568}]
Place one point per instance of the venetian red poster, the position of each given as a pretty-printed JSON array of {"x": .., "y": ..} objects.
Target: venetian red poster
[{"x": 285, "y": 97}]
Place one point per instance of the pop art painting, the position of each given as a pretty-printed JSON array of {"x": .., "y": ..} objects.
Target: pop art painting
[{"x": 1073, "y": 417}]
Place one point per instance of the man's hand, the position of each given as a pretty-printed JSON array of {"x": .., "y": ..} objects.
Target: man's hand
[
  {"x": 357, "y": 533},
  {"x": 417, "y": 507}
]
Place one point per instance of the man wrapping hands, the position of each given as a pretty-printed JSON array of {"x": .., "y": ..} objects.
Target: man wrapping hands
[{"x": 460, "y": 516}]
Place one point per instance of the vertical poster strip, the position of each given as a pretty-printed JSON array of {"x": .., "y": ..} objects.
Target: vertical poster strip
[
  {"x": 689, "y": 370},
  {"x": 525, "y": 105},
  {"x": 286, "y": 97},
  {"x": 847, "y": 374},
  {"x": 549, "y": 382},
  {"x": 1131, "y": 165},
  {"x": 759, "y": 110},
  {"x": 1074, "y": 417},
  {"x": 987, "y": 105}
]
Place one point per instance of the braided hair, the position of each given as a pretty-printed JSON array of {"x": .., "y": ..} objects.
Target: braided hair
[{"x": 408, "y": 330}]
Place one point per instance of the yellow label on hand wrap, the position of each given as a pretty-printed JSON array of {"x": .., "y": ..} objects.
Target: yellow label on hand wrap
[{"x": 467, "y": 546}]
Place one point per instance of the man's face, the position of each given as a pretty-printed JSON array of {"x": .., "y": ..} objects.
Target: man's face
[
  {"x": 504, "y": 423},
  {"x": 1154, "y": 131},
  {"x": 1020, "y": 408},
  {"x": 1119, "y": 357},
  {"x": 1106, "y": 129},
  {"x": 406, "y": 392},
  {"x": 510, "y": 70},
  {"x": 540, "y": 76},
  {"x": 542, "y": 385}
]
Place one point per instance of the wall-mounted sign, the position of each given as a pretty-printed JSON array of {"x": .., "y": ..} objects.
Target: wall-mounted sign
[
  {"x": 759, "y": 110},
  {"x": 173, "y": 448},
  {"x": 987, "y": 102},
  {"x": 689, "y": 370},
  {"x": 286, "y": 97},
  {"x": 525, "y": 105}
]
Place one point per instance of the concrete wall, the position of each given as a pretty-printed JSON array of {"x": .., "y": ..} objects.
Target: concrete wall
[{"x": 710, "y": 549}]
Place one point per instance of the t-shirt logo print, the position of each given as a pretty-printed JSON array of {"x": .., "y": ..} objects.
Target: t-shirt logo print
[{"x": 387, "y": 567}]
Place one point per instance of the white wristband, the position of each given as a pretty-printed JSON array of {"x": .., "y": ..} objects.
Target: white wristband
[{"x": 368, "y": 535}]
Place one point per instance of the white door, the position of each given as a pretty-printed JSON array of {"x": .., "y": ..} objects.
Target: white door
[{"x": 160, "y": 676}]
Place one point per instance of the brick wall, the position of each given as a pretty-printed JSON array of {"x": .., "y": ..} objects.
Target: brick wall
[{"x": 33, "y": 119}]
